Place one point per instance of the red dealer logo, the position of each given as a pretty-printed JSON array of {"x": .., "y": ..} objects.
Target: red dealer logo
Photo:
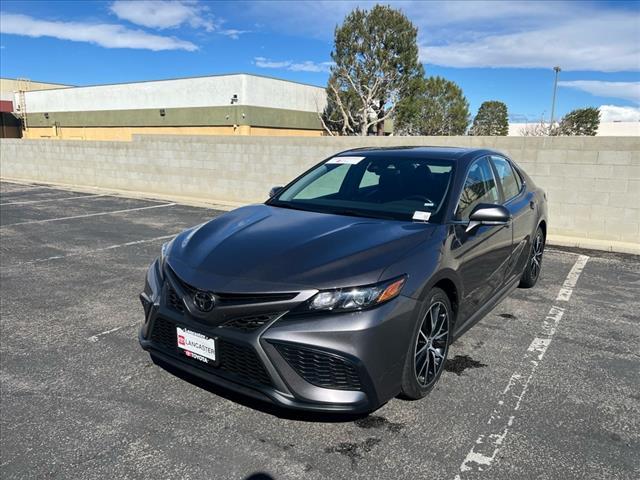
[{"x": 181, "y": 340}]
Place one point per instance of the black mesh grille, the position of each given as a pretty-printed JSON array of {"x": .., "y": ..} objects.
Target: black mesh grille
[
  {"x": 174, "y": 301},
  {"x": 242, "y": 361},
  {"x": 239, "y": 360},
  {"x": 164, "y": 334},
  {"x": 320, "y": 369},
  {"x": 249, "y": 323}
]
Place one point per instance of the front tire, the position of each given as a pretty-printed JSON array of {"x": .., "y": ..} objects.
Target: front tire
[
  {"x": 427, "y": 353},
  {"x": 534, "y": 262}
]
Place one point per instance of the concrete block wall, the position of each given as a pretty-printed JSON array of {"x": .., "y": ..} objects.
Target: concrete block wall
[{"x": 593, "y": 183}]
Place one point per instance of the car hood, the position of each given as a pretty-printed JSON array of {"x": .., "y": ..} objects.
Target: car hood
[{"x": 265, "y": 248}]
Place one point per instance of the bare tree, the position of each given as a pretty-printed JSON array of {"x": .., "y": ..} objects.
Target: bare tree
[{"x": 539, "y": 129}]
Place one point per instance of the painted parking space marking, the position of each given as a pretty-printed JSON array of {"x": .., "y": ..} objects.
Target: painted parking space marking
[
  {"x": 569, "y": 284},
  {"x": 549, "y": 249},
  {"x": 89, "y": 252},
  {"x": 30, "y": 202},
  {"x": 96, "y": 337},
  {"x": 485, "y": 449},
  {"x": 18, "y": 190},
  {"x": 113, "y": 212},
  {"x": 26, "y": 187}
]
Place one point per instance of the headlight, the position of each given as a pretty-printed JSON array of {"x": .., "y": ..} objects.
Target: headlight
[{"x": 357, "y": 298}]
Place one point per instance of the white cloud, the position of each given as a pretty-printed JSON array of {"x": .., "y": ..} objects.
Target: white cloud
[
  {"x": 623, "y": 90},
  {"x": 575, "y": 35},
  {"x": 103, "y": 34},
  {"x": 577, "y": 44},
  {"x": 263, "y": 62},
  {"x": 306, "y": 66},
  {"x": 318, "y": 18},
  {"x": 309, "y": 66},
  {"x": 164, "y": 13},
  {"x": 614, "y": 113},
  {"x": 232, "y": 33}
]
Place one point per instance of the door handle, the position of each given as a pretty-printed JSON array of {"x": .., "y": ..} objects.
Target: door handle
[{"x": 532, "y": 205}]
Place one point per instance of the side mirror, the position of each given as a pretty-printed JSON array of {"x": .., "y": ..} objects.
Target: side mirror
[
  {"x": 275, "y": 191},
  {"x": 488, "y": 214}
]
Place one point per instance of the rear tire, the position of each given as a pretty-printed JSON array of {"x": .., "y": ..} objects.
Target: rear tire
[
  {"x": 427, "y": 351},
  {"x": 534, "y": 262}
]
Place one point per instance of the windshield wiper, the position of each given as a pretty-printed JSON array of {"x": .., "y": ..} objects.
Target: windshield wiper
[
  {"x": 290, "y": 206},
  {"x": 335, "y": 211},
  {"x": 359, "y": 213}
]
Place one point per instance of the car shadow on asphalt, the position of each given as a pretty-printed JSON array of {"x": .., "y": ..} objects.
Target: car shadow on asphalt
[
  {"x": 259, "y": 476},
  {"x": 256, "y": 404}
]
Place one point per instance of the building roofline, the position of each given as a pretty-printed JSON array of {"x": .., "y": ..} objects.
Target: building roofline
[
  {"x": 63, "y": 87},
  {"x": 37, "y": 81}
]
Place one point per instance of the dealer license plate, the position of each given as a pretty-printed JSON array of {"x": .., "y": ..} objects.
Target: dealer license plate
[{"x": 196, "y": 345}]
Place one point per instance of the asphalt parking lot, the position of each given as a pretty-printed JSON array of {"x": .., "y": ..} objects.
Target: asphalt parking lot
[{"x": 546, "y": 386}]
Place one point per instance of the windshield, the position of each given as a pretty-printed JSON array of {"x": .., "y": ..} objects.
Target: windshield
[{"x": 376, "y": 186}]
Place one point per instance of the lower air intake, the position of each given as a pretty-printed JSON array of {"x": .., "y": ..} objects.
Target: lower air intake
[{"x": 319, "y": 368}]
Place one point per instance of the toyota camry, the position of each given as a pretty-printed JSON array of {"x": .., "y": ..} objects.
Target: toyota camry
[{"x": 347, "y": 286}]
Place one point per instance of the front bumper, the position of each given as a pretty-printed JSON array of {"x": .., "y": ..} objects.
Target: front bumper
[{"x": 347, "y": 362}]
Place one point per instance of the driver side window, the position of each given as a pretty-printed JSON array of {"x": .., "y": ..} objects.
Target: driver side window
[{"x": 479, "y": 187}]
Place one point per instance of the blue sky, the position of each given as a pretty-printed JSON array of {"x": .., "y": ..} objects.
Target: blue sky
[{"x": 493, "y": 50}]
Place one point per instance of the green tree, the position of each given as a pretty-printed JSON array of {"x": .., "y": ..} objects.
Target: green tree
[
  {"x": 582, "y": 121},
  {"x": 375, "y": 68},
  {"x": 491, "y": 120},
  {"x": 440, "y": 108}
]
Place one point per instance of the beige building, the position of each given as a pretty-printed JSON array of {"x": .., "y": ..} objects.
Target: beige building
[
  {"x": 10, "y": 88},
  {"x": 237, "y": 104}
]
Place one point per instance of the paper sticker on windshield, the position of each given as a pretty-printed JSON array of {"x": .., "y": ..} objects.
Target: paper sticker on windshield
[
  {"x": 422, "y": 216},
  {"x": 346, "y": 160}
]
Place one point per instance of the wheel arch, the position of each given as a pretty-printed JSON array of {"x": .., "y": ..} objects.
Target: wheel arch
[
  {"x": 448, "y": 282},
  {"x": 543, "y": 225}
]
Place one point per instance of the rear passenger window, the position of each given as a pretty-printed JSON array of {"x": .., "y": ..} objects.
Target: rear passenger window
[
  {"x": 518, "y": 177},
  {"x": 479, "y": 187},
  {"x": 508, "y": 178}
]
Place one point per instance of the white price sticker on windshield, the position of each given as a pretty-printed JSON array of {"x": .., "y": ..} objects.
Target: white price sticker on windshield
[
  {"x": 346, "y": 160},
  {"x": 422, "y": 216}
]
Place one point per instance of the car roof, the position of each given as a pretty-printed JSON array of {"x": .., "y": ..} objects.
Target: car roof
[{"x": 426, "y": 152}]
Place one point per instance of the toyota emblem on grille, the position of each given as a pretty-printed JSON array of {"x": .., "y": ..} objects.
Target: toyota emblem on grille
[{"x": 205, "y": 301}]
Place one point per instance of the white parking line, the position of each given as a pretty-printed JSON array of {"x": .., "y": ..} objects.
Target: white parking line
[
  {"x": 485, "y": 450},
  {"x": 89, "y": 215},
  {"x": 567, "y": 287},
  {"x": 26, "y": 186},
  {"x": 29, "y": 202},
  {"x": 87, "y": 252},
  {"x": 548, "y": 249},
  {"x": 94, "y": 338}
]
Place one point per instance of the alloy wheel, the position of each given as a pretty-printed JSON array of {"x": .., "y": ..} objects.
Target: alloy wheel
[
  {"x": 431, "y": 344},
  {"x": 536, "y": 255}
]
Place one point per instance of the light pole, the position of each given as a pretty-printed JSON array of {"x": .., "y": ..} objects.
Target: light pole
[{"x": 553, "y": 102}]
